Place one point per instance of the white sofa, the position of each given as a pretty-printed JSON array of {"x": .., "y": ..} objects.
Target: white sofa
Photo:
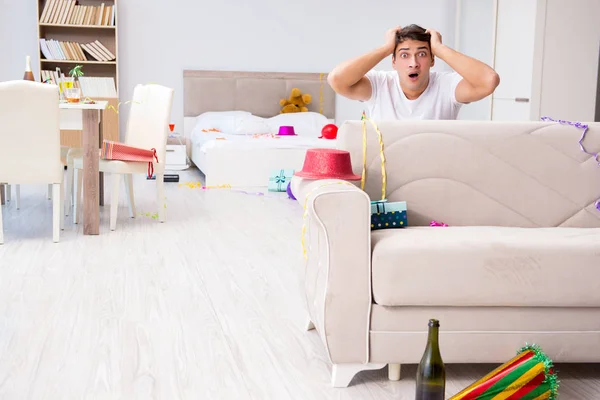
[{"x": 519, "y": 262}]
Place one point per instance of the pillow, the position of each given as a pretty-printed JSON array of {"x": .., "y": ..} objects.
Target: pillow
[
  {"x": 253, "y": 125},
  {"x": 305, "y": 123},
  {"x": 224, "y": 121}
]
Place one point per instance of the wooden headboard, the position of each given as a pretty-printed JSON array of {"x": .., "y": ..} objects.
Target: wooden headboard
[{"x": 255, "y": 92}]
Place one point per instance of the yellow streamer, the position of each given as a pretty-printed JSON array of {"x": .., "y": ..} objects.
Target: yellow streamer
[
  {"x": 305, "y": 214},
  {"x": 198, "y": 185},
  {"x": 116, "y": 110},
  {"x": 321, "y": 93},
  {"x": 110, "y": 106},
  {"x": 363, "y": 178},
  {"x": 364, "y": 120}
]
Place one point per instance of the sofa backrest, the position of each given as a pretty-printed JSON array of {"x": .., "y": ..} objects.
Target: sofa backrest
[{"x": 521, "y": 174}]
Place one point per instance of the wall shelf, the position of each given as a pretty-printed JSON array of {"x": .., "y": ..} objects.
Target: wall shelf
[{"x": 80, "y": 26}]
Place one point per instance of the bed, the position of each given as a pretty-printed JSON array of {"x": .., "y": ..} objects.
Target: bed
[{"x": 231, "y": 120}]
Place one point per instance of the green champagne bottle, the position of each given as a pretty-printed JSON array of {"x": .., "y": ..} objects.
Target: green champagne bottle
[{"x": 431, "y": 374}]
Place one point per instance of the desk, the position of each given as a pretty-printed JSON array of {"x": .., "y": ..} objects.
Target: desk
[{"x": 92, "y": 120}]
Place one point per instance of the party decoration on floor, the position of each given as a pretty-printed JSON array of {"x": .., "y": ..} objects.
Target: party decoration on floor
[
  {"x": 112, "y": 150},
  {"x": 384, "y": 214},
  {"x": 279, "y": 180},
  {"x": 148, "y": 214},
  {"x": 329, "y": 131},
  {"x": 198, "y": 185},
  {"x": 249, "y": 193},
  {"x": 296, "y": 102},
  {"x": 327, "y": 164},
  {"x": 528, "y": 376},
  {"x": 585, "y": 128},
  {"x": 435, "y": 223},
  {"x": 289, "y": 191}
]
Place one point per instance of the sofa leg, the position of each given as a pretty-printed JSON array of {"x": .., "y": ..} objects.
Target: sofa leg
[
  {"x": 342, "y": 374},
  {"x": 394, "y": 372},
  {"x": 309, "y": 325}
]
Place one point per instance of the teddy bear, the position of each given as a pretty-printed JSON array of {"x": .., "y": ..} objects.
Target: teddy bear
[{"x": 296, "y": 103}]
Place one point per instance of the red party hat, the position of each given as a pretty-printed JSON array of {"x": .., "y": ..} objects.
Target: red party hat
[{"x": 327, "y": 164}]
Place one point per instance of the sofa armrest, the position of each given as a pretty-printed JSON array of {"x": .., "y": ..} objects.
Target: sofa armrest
[{"x": 338, "y": 265}]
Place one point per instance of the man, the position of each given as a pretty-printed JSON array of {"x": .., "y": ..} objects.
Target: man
[{"x": 411, "y": 90}]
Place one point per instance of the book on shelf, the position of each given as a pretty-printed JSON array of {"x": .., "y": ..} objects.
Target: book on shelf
[
  {"x": 91, "y": 86},
  {"x": 62, "y": 50},
  {"x": 68, "y": 12}
]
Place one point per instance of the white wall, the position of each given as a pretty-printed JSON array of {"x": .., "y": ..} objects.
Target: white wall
[
  {"x": 18, "y": 38},
  {"x": 475, "y": 38},
  {"x": 159, "y": 39}
]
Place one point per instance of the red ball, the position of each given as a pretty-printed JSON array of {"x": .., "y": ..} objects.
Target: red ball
[{"x": 329, "y": 131}]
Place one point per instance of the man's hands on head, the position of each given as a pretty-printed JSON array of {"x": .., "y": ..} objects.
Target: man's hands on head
[
  {"x": 390, "y": 39},
  {"x": 436, "y": 41},
  {"x": 479, "y": 79}
]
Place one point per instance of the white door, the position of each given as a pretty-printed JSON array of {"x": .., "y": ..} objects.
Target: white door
[{"x": 515, "y": 40}]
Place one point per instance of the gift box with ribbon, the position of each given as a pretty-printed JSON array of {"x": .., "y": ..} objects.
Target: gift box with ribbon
[
  {"x": 279, "y": 180},
  {"x": 388, "y": 215},
  {"x": 112, "y": 150},
  {"x": 384, "y": 214}
]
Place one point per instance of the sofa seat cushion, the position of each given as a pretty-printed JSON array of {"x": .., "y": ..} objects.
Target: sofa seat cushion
[{"x": 486, "y": 266}]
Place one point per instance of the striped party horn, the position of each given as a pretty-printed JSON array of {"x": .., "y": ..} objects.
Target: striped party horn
[{"x": 528, "y": 376}]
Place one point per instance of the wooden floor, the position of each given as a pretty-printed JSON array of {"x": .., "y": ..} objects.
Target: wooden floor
[{"x": 204, "y": 306}]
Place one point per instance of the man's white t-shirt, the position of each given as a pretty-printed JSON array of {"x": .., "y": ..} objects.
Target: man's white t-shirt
[{"x": 388, "y": 101}]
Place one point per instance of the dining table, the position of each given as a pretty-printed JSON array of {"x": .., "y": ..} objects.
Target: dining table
[{"x": 91, "y": 124}]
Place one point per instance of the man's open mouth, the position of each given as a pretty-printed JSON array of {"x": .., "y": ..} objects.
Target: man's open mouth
[{"x": 414, "y": 75}]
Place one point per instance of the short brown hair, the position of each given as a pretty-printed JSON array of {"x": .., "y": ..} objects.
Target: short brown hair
[{"x": 412, "y": 32}]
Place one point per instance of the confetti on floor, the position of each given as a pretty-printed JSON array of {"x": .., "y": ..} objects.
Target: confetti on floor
[{"x": 198, "y": 185}]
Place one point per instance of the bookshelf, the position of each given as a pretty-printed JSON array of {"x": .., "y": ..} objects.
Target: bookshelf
[{"x": 82, "y": 32}]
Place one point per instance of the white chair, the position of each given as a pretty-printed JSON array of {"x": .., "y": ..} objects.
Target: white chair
[
  {"x": 147, "y": 128},
  {"x": 30, "y": 141},
  {"x": 64, "y": 151}
]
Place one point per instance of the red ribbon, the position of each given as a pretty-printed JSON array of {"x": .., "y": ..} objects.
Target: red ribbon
[{"x": 150, "y": 165}]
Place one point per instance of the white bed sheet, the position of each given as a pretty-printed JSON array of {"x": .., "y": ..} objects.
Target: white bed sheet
[{"x": 213, "y": 140}]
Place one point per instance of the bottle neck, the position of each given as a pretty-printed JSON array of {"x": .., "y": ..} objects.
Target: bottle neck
[
  {"x": 433, "y": 336},
  {"x": 28, "y": 64}
]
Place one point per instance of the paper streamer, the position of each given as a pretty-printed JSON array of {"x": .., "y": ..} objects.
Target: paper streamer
[
  {"x": 585, "y": 128},
  {"x": 198, "y": 185},
  {"x": 436, "y": 223},
  {"x": 116, "y": 109},
  {"x": 249, "y": 193},
  {"x": 364, "y": 120}
]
